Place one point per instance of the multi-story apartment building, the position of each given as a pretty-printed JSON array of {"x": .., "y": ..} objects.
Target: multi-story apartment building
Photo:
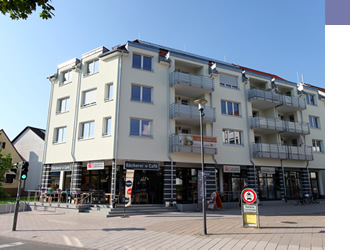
[{"x": 133, "y": 107}]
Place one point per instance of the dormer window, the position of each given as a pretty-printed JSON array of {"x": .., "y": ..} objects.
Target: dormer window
[
  {"x": 66, "y": 77},
  {"x": 92, "y": 67},
  {"x": 142, "y": 62}
]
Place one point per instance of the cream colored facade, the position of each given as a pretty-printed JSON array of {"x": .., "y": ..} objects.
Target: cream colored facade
[
  {"x": 175, "y": 79},
  {"x": 8, "y": 148}
]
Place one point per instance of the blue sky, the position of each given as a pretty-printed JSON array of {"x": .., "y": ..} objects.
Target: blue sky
[{"x": 279, "y": 37}]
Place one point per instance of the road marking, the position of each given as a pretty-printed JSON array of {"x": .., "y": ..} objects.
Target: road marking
[{"x": 12, "y": 244}]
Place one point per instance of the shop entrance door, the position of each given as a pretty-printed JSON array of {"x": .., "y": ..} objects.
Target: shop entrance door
[
  {"x": 293, "y": 186},
  {"x": 148, "y": 187}
]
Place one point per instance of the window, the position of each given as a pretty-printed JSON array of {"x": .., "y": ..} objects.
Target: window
[
  {"x": 140, "y": 127},
  {"x": 63, "y": 105},
  {"x": 317, "y": 146},
  {"x": 66, "y": 77},
  {"x": 89, "y": 97},
  {"x": 141, "y": 94},
  {"x": 109, "y": 92},
  {"x": 92, "y": 67},
  {"x": 87, "y": 130},
  {"x": 233, "y": 137},
  {"x": 228, "y": 81},
  {"x": 314, "y": 122},
  {"x": 230, "y": 108},
  {"x": 2, "y": 145},
  {"x": 142, "y": 62},
  {"x": 60, "y": 135},
  {"x": 107, "y": 123},
  {"x": 310, "y": 99},
  {"x": 10, "y": 178}
]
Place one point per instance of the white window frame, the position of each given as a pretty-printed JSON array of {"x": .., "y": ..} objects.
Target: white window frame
[
  {"x": 233, "y": 108},
  {"x": 141, "y": 93},
  {"x": 142, "y": 62},
  {"x": 225, "y": 81},
  {"x": 95, "y": 67},
  {"x": 226, "y": 137},
  {"x": 90, "y": 131},
  {"x": 109, "y": 92},
  {"x": 83, "y": 102},
  {"x": 140, "y": 128},
  {"x": 315, "y": 148},
  {"x": 63, "y": 105},
  {"x": 107, "y": 126},
  {"x": 310, "y": 99},
  {"x": 60, "y": 135},
  {"x": 314, "y": 122},
  {"x": 64, "y": 79}
]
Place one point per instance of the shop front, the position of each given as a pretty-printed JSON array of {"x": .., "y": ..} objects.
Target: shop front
[
  {"x": 269, "y": 184},
  {"x": 234, "y": 180}
]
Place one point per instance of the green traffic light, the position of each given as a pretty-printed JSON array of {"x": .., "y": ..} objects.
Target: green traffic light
[{"x": 24, "y": 176}]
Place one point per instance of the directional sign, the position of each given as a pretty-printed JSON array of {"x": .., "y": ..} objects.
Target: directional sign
[{"x": 249, "y": 196}]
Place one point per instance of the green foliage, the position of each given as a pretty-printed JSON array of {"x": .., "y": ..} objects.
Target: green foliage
[
  {"x": 5, "y": 165},
  {"x": 21, "y": 9}
]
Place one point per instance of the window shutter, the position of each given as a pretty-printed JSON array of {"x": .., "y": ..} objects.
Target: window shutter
[{"x": 227, "y": 79}]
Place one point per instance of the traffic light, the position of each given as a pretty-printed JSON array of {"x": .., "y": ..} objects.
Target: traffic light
[{"x": 25, "y": 170}]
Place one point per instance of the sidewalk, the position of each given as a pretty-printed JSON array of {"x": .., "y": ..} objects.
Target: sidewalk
[{"x": 292, "y": 227}]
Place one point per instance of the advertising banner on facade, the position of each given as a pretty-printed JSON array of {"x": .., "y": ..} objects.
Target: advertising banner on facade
[
  {"x": 232, "y": 169},
  {"x": 195, "y": 141},
  {"x": 95, "y": 165},
  {"x": 129, "y": 180}
]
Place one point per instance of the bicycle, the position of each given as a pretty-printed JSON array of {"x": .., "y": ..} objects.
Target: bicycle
[{"x": 303, "y": 200}]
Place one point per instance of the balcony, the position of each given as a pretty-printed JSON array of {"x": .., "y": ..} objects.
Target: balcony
[
  {"x": 187, "y": 114},
  {"x": 267, "y": 99},
  {"x": 282, "y": 152},
  {"x": 186, "y": 143},
  {"x": 195, "y": 85},
  {"x": 265, "y": 125}
]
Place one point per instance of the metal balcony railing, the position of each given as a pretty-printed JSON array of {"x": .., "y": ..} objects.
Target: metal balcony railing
[
  {"x": 267, "y": 123},
  {"x": 269, "y": 96},
  {"x": 279, "y": 99},
  {"x": 283, "y": 152},
  {"x": 280, "y": 125},
  {"x": 196, "y": 81},
  {"x": 178, "y": 110},
  {"x": 187, "y": 143}
]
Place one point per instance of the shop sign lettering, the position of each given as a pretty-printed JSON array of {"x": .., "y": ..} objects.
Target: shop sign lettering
[{"x": 141, "y": 165}]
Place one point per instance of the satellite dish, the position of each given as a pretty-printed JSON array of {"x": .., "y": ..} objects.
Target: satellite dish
[{"x": 300, "y": 87}]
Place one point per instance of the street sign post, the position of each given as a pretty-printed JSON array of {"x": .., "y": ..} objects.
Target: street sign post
[{"x": 250, "y": 208}]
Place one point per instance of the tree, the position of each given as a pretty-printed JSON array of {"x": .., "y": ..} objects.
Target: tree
[
  {"x": 20, "y": 9},
  {"x": 5, "y": 165}
]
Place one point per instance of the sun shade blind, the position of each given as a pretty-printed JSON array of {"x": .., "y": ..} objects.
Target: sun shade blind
[
  {"x": 90, "y": 97},
  {"x": 227, "y": 79}
]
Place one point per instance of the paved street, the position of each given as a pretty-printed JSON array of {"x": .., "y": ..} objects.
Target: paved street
[{"x": 283, "y": 226}]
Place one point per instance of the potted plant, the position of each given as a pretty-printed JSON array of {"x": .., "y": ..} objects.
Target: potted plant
[
  {"x": 43, "y": 190},
  {"x": 58, "y": 191},
  {"x": 50, "y": 189},
  {"x": 77, "y": 190},
  {"x": 67, "y": 190}
]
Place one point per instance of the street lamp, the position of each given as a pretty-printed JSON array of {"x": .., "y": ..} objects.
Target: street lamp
[{"x": 201, "y": 103}]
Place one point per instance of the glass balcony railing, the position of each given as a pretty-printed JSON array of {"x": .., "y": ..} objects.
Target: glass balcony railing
[
  {"x": 180, "y": 111},
  {"x": 283, "y": 152},
  {"x": 196, "y": 81},
  {"x": 279, "y": 125},
  {"x": 277, "y": 99}
]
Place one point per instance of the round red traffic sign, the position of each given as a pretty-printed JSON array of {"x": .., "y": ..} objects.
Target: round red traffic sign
[{"x": 249, "y": 196}]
